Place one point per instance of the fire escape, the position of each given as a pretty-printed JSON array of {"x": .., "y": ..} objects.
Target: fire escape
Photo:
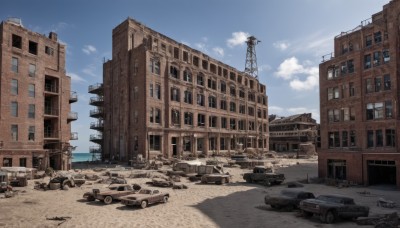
[{"x": 98, "y": 125}]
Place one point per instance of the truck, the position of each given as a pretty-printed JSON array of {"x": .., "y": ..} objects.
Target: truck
[{"x": 264, "y": 175}]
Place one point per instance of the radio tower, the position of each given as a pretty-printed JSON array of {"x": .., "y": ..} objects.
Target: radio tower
[{"x": 251, "y": 58}]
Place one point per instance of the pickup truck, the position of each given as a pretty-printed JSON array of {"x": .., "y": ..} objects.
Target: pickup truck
[
  {"x": 264, "y": 175},
  {"x": 331, "y": 207}
]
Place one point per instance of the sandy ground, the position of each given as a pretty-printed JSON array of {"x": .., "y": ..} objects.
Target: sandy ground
[{"x": 237, "y": 204}]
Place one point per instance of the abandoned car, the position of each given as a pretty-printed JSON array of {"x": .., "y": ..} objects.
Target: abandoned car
[
  {"x": 114, "y": 193},
  {"x": 264, "y": 175},
  {"x": 145, "y": 197},
  {"x": 288, "y": 199},
  {"x": 330, "y": 207},
  {"x": 159, "y": 182},
  {"x": 216, "y": 178}
]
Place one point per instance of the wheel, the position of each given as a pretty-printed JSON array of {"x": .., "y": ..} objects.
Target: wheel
[
  {"x": 108, "y": 200},
  {"x": 330, "y": 217},
  {"x": 248, "y": 180},
  {"x": 165, "y": 199},
  {"x": 90, "y": 198},
  {"x": 223, "y": 181},
  {"x": 143, "y": 205},
  {"x": 306, "y": 214}
]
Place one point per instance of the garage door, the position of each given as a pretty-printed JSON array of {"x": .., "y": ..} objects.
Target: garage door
[{"x": 381, "y": 172}]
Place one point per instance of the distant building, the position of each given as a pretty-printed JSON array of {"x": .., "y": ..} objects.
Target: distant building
[
  {"x": 289, "y": 133},
  {"x": 35, "y": 98},
  {"x": 163, "y": 98},
  {"x": 359, "y": 94}
]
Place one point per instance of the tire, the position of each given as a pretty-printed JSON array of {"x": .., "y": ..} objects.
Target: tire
[
  {"x": 330, "y": 217},
  {"x": 248, "y": 180},
  {"x": 143, "y": 204},
  {"x": 307, "y": 214},
  {"x": 165, "y": 199},
  {"x": 90, "y": 198},
  {"x": 108, "y": 200}
]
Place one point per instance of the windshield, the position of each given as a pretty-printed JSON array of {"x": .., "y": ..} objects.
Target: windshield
[{"x": 145, "y": 191}]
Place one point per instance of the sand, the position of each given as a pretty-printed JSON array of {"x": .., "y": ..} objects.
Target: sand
[{"x": 237, "y": 204}]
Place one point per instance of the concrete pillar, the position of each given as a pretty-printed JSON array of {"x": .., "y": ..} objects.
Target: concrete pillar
[
  {"x": 180, "y": 147},
  {"x": 194, "y": 146},
  {"x": 218, "y": 143},
  {"x": 206, "y": 145}
]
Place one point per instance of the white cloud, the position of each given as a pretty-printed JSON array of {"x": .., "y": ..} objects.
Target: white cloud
[
  {"x": 89, "y": 49},
  {"x": 90, "y": 70},
  {"x": 264, "y": 67},
  {"x": 281, "y": 45},
  {"x": 238, "y": 38},
  {"x": 201, "y": 47},
  {"x": 76, "y": 78},
  {"x": 218, "y": 51},
  {"x": 275, "y": 109},
  {"x": 291, "y": 69}
]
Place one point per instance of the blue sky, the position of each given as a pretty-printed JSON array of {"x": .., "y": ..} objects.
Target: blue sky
[{"x": 294, "y": 34}]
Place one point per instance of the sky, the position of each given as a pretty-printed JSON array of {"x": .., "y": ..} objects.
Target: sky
[{"x": 294, "y": 36}]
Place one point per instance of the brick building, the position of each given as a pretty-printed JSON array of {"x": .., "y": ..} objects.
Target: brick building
[
  {"x": 35, "y": 98},
  {"x": 292, "y": 133},
  {"x": 359, "y": 91},
  {"x": 164, "y": 98}
]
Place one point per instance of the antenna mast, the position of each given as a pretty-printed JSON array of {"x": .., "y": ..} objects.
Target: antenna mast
[{"x": 251, "y": 58}]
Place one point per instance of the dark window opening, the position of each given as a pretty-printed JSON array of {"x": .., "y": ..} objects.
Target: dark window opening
[
  {"x": 16, "y": 41},
  {"x": 33, "y": 47}
]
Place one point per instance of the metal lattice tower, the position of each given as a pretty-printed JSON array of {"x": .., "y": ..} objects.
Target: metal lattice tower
[{"x": 251, "y": 58}]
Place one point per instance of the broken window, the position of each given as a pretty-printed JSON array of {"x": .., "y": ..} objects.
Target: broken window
[
  {"x": 185, "y": 56},
  {"x": 14, "y": 132},
  {"x": 388, "y": 109},
  {"x": 379, "y": 138},
  {"x": 188, "y": 118},
  {"x": 175, "y": 94},
  {"x": 158, "y": 91},
  {"x": 212, "y": 102},
  {"x": 187, "y": 75},
  {"x": 390, "y": 137},
  {"x": 239, "y": 79},
  {"x": 334, "y": 139},
  {"x": 174, "y": 72},
  {"x": 16, "y": 41},
  {"x": 155, "y": 142},
  {"x": 188, "y": 97},
  {"x": 386, "y": 82},
  {"x": 259, "y": 113},
  {"x": 224, "y": 123},
  {"x": 176, "y": 53},
  {"x": 205, "y": 64},
  {"x": 378, "y": 37},
  {"x": 212, "y": 84},
  {"x": 232, "y": 123},
  {"x": 200, "y": 99},
  {"x": 151, "y": 92},
  {"x": 242, "y": 109},
  {"x": 378, "y": 84},
  {"x": 367, "y": 61},
  {"x": 251, "y": 96},
  {"x": 175, "y": 117},
  {"x": 232, "y": 90},
  {"x": 350, "y": 66},
  {"x": 225, "y": 73},
  {"x": 368, "y": 83},
  {"x": 232, "y": 106},
  {"x": 386, "y": 56},
  {"x": 242, "y": 93},
  {"x": 352, "y": 91},
  {"x": 368, "y": 40},
  {"x": 213, "y": 68},
  {"x": 242, "y": 124},
  {"x": 212, "y": 121},
  {"x": 252, "y": 126},
  {"x": 343, "y": 68},
  {"x": 345, "y": 139},
  {"x": 377, "y": 58},
  {"x": 223, "y": 105},
  {"x": 31, "y": 133},
  {"x": 201, "y": 120},
  {"x": 251, "y": 111},
  {"x": 49, "y": 51},
  {"x": 155, "y": 66},
  {"x": 157, "y": 115},
  {"x": 196, "y": 61},
  {"x": 370, "y": 138},
  {"x": 219, "y": 70},
  {"x": 200, "y": 79},
  {"x": 33, "y": 47}
]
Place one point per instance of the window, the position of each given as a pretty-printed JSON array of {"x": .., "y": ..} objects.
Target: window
[
  {"x": 14, "y": 87},
  {"x": 352, "y": 90},
  {"x": 386, "y": 82},
  {"x": 334, "y": 115},
  {"x": 212, "y": 121},
  {"x": 200, "y": 79},
  {"x": 334, "y": 140},
  {"x": 213, "y": 69},
  {"x": 14, "y": 65},
  {"x": 187, "y": 76},
  {"x": 157, "y": 115},
  {"x": 200, "y": 99},
  {"x": 379, "y": 138},
  {"x": 174, "y": 72},
  {"x": 185, "y": 56},
  {"x": 377, "y": 58},
  {"x": 155, "y": 142},
  {"x": 31, "y": 133},
  {"x": 31, "y": 111},
  {"x": 232, "y": 76},
  {"x": 378, "y": 37},
  {"x": 151, "y": 92},
  {"x": 386, "y": 56},
  {"x": 252, "y": 126},
  {"x": 14, "y": 132},
  {"x": 259, "y": 113},
  {"x": 31, "y": 90},
  {"x": 223, "y": 105},
  {"x": 368, "y": 40},
  {"x": 344, "y": 139},
  {"x": 353, "y": 138},
  {"x": 232, "y": 124},
  {"x": 49, "y": 51},
  {"x": 224, "y": 123},
  {"x": 242, "y": 109},
  {"x": 378, "y": 84},
  {"x": 232, "y": 90},
  {"x": 188, "y": 97},
  {"x": 212, "y": 84},
  {"x": 251, "y": 111},
  {"x": 175, "y": 94},
  {"x": 158, "y": 91},
  {"x": 175, "y": 117},
  {"x": 33, "y": 47},
  {"x": 374, "y": 111},
  {"x": 232, "y": 106},
  {"x": 176, "y": 53},
  {"x": 346, "y": 114},
  {"x": 204, "y": 64},
  {"x": 369, "y": 87},
  {"x": 343, "y": 68},
  {"x": 14, "y": 109},
  {"x": 390, "y": 137},
  {"x": 350, "y": 66},
  {"x": 154, "y": 66},
  {"x": 188, "y": 118},
  {"x": 370, "y": 138},
  {"x": 352, "y": 114},
  {"x": 212, "y": 102},
  {"x": 242, "y": 124},
  {"x": 151, "y": 115},
  {"x": 223, "y": 87},
  {"x": 32, "y": 70},
  {"x": 388, "y": 109},
  {"x": 16, "y": 41},
  {"x": 201, "y": 120},
  {"x": 251, "y": 96},
  {"x": 241, "y": 93},
  {"x": 367, "y": 61},
  {"x": 196, "y": 61},
  {"x": 22, "y": 162}
]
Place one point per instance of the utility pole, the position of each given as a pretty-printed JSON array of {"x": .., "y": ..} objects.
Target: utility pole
[{"x": 251, "y": 58}]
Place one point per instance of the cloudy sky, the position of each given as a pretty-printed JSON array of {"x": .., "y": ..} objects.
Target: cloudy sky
[{"x": 294, "y": 34}]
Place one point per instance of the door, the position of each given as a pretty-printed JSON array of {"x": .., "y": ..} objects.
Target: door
[{"x": 174, "y": 146}]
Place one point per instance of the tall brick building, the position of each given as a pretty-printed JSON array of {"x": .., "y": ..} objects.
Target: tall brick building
[
  {"x": 35, "y": 98},
  {"x": 359, "y": 93},
  {"x": 164, "y": 98}
]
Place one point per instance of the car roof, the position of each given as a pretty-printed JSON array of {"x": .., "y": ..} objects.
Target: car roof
[{"x": 337, "y": 196}]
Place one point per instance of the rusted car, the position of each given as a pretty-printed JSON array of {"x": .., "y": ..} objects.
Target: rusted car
[
  {"x": 330, "y": 207},
  {"x": 264, "y": 175},
  {"x": 114, "y": 192},
  {"x": 145, "y": 197},
  {"x": 288, "y": 199},
  {"x": 159, "y": 182},
  {"x": 215, "y": 178}
]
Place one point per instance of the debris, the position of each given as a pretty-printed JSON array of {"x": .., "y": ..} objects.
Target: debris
[
  {"x": 179, "y": 186},
  {"x": 385, "y": 203},
  {"x": 62, "y": 218},
  {"x": 380, "y": 221},
  {"x": 294, "y": 185}
]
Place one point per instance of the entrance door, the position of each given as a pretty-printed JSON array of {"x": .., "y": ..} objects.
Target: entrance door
[
  {"x": 174, "y": 141},
  {"x": 381, "y": 172}
]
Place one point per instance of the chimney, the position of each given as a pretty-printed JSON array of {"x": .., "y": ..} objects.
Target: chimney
[{"x": 53, "y": 36}]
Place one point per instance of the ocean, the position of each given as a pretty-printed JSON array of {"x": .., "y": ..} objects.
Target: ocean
[{"x": 80, "y": 157}]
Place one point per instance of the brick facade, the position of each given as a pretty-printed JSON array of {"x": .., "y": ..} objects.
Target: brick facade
[
  {"x": 153, "y": 93},
  {"x": 359, "y": 103}
]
